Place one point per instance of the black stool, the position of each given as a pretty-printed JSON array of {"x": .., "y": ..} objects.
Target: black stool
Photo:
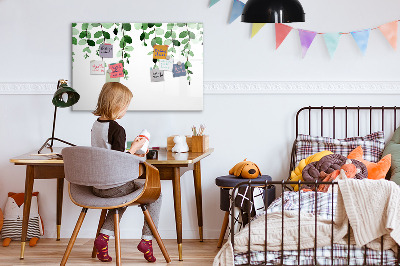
[{"x": 226, "y": 183}]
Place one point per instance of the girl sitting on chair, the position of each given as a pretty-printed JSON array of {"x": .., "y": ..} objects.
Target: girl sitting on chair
[{"x": 112, "y": 104}]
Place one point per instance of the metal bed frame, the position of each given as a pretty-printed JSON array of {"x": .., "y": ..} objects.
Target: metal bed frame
[{"x": 284, "y": 183}]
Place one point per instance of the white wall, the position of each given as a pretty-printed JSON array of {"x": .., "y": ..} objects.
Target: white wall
[{"x": 36, "y": 48}]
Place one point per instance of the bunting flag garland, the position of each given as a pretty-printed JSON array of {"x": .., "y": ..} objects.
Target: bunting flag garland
[
  {"x": 256, "y": 28},
  {"x": 237, "y": 8},
  {"x": 281, "y": 31},
  {"x": 389, "y": 30},
  {"x": 361, "y": 37},
  {"x": 332, "y": 41},
  {"x": 213, "y": 2},
  {"x": 306, "y": 39}
]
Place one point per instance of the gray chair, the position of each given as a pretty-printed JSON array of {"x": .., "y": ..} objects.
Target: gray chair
[{"x": 85, "y": 167}]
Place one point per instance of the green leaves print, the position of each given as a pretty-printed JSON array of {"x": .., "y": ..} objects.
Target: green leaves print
[{"x": 178, "y": 36}]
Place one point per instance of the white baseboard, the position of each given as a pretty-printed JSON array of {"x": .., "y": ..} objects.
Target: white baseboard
[{"x": 247, "y": 87}]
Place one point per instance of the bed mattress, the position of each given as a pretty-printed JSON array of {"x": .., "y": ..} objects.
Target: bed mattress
[{"x": 324, "y": 207}]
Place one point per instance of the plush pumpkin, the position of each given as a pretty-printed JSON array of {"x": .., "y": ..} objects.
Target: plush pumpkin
[
  {"x": 245, "y": 169},
  {"x": 375, "y": 170},
  {"x": 13, "y": 215}
]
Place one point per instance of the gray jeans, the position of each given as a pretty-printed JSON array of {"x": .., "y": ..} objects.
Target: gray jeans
[{"x": 154, "y": 208}]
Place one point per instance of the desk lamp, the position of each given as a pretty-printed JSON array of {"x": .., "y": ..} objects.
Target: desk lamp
[
  {"x": 273, "y": 11},
  {"x": 63, "y": 97}
]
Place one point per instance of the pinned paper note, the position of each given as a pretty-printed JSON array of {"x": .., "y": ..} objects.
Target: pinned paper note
[
  {"x": 117, "y": 70},
  {"x": 110, "y": 79},
  {"x": 97, "y": 67},
  {"x": 166, "y": 64},
  {"x": 160, "y": 51},
  {"x": 178, "y": 70},
  {"x": 156, "y": 75},
  {"x": 106, "y": 50}
]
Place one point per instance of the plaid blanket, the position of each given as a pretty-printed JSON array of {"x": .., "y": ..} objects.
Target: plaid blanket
[
  {"x": 323, "y": 205},
  {"x": 306, "y": 201},
  {"x": 340, "y": 253}
]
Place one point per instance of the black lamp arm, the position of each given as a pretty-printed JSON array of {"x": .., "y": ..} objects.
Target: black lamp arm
[
  {"x": 46, "y": 143},
  {"x": 73, "y": 98}
]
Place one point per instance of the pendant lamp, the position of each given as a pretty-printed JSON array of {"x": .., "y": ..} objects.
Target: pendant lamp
[
  {"x": 64, "y": 96},
  {"x": 273, "y": 11}
]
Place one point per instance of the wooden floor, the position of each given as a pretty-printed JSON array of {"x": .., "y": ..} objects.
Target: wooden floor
[{"x": 50, "y": 252}]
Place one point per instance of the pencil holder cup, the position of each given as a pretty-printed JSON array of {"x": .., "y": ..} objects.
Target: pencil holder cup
[
  {"x": 152, "y": 155},
  {"x": 200, "y": 143}
]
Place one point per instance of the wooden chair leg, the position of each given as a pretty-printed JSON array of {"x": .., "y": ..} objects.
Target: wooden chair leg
[
  {"x": 101, "y": 222},
  {"x": 154, "y": 230},
  {"x": 117, "y": 238},
  {"x": 223, "y": 229},
  {"x": 73, "y": 237}
]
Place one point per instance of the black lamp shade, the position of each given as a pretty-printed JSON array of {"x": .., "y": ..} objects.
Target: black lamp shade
[
  {"x": 73, "y": 96},
  {"x": 273, "y": 11}
]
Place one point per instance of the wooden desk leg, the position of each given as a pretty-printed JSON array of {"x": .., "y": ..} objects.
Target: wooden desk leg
[
  {"x": 176, "y": 183},
  {"x": 199, "y": 204},
  {"x": 27, "y": 206},
  {"x": 60, "y": 190}
]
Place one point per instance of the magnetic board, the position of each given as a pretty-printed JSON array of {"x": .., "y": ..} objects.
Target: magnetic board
[{"x": 161, "y": 63}]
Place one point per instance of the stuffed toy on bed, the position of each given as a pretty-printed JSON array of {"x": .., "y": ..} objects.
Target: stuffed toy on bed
[
  {"x": 13, "y": 215},
  {"x": 296, "y": 174},
  {"x": 348, "y": 170},
  {"x": 245, "y": 169},
  {"x": 317, "y": 171}
]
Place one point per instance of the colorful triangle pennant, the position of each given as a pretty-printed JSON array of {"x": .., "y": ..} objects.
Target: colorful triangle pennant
[
  {"x": 256, "y": 27},
  {"x": 281, "y": 31},
  {"x": 237, "y": 8},
  {"x": 361, "y": 37},
  {"x": 389, "y": 30},
  {"x": 306, "y": 39},
  {"x": 332, "y": 41},
  {"x": 213, "y": 2}
]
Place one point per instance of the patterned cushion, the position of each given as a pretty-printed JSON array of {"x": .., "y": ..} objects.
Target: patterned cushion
[{"x": 372, "y": 144}]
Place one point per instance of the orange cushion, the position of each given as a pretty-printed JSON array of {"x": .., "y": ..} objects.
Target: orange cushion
[{"x": 375, "y": 170}]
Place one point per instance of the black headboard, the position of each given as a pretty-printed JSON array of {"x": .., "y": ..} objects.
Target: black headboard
[{"x": 344, "y": 121}]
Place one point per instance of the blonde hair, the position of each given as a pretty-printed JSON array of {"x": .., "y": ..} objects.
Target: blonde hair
[{"x": 113, "y": 98}]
